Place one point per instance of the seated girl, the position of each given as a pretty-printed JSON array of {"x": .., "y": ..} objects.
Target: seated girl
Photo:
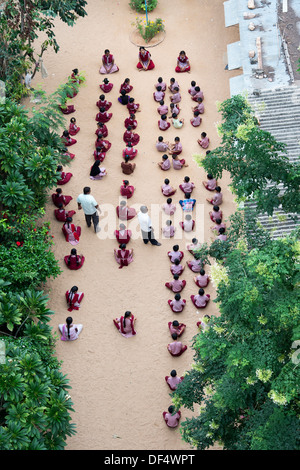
[
  {"x": 194, "y": 246},
  {"x": 158, "y": 94},
  {"x": 124, "y": 212},
  {"x": 211, "y": 183},
  {"x": 73, "y": 260},
  {"x": 167, "y": 189},
  {"x": 165, "y": 163},
  {"x": 187, "y": 186},
  {"x": 131, "y": 121},
  {"x": 99, "y": 154},
  {"x": 123, "y": 256},
  {"x": 198, "y": 94},
  {"x": 129, "y": 151},
  {"x": 202, "y": 279},
  {"x": 174, "y": 108},
  {"x": 69, "y": 332},
  {"x": 215, "y": 214},
  {"x": 177, "y": 123},
  {"x": 67, "y": 109},
  {"x": 196, "y": 120},
  {"x": 71, "y": 232},
  {"x": 169, "y": 230},
  {"x": 126, "y": 190},
  {"x": 101, "y": 129},
  {"x": 124, "y": 98},
  {"x": 176, "y": 348},
  {"x": 175, "y": 253},
  {"x": 217, "y": 199},
  {"x": 183, "y": 64},
  {"x": 61, "y": 214},
  {"x": 103, "y": 116},
  {"x": 105, "y": 145},
  {"x": 177, "y": 285},
  {"x": 125, "y": 324},
  {"x": 201, "y": 299},
  {"x": 178, "y": 163},
  {"x": 123, "y": 235},
  {"x": 162, "y": 108},
  {"x": 161, "y": 83},
  {"x": 67, "y": 139},
  {"x": 176, "y": 97},
  {"x": 74, "y": 298},
  {"x": 176, "y": 327},
  {"x": 59, "y": 198},
  {"x": 106, "y": 86},
  {"x": 160, "y": 145},
  {"x": 222, "y": 235},
  {"x": 132, "y": 106},
  {"x": 219, "y": 224},
  {"x": 176, "y": 267},
  {"x": 172, "y": 417},
  {"x": 192, "y": 90},
  {"x": 173, "y": 84},
  {"x": 169, "y": 208},
  {"x": 177, "y": 304},
  {"x": 64, "y": 177},
  {"x": 126, "y": 86},
  {"x": 204, "y": 141},
  {"x": 97, "y": 173},
  {"x": 103, "y": 103},
  {"x": 130, "y": 136},
  {"x": 188, "y": 224},
  {"x": 73, "y": 128},
  {"x": 173, "y": 380},
  {"x": 176, "y": 148},
  {"x": 163, "y": 124},
  {"x": 199, "y": 107},
  {"x": 195, "y": 265}
]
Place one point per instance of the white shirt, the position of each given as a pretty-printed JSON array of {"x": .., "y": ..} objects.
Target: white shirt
[
  {"x": 88, "y": 203},
  {"x": 144, "y": 221}
]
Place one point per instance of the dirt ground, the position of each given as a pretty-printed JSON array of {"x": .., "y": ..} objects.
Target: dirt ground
[{"x": 118, "y": 386}]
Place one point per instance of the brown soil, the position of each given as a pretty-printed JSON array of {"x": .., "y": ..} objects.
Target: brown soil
[{"x": 118, "y": 386}]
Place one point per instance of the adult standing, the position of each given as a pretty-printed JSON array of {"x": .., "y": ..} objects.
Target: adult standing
[
  {"x": 90, "y": 208},
  {"x": 108, "y": 63},
  {"x": 145, "y": 61},
  {"x": 146, "y": 226}
]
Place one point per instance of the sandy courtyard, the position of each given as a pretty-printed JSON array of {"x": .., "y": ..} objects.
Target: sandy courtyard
[{"x": 118, "y": 386}]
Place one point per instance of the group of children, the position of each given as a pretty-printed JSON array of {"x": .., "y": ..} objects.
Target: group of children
[{"x": 124, "y": 256}]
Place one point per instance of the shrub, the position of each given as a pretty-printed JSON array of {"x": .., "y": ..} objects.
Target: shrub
[
  {"x": 139, "y": 5},
  {"x": 148, "y": 31}
]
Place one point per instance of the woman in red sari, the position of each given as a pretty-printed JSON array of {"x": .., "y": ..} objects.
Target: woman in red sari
[
  {"x": 123, "y": 256},
  {"x": 183, "y": 64},
  {"x": 74, "y": 298},
  {"x": 58, "y": 198},
  {"x": 73, "y": 260},
  {"x": 145, "y": 61},
  {"x": 125, "y": 324},
  {"x": 71, "y": 232},
  {"x": 108, "y": 63}
]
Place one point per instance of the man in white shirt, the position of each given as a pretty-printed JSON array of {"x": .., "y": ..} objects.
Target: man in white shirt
[
  {"x": 90, "y": 208},
  {"x": 146, "y": 228}
]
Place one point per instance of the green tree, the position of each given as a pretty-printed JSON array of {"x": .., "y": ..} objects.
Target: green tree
[
  {"x": 21, "y": 21},
  {"x": 259, "y": 168},
  {"x": 245, "y": 378}
]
